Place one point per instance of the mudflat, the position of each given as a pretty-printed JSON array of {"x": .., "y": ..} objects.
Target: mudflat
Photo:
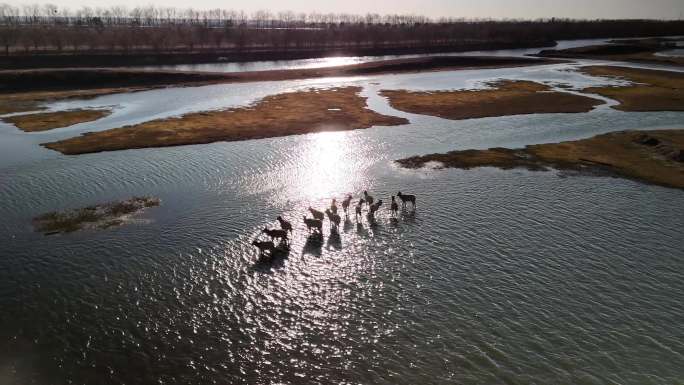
[
  {"x": 655, "y": 156},
  {"x": 508, "y": 97},
  {"x": 284, "y": 114},
  {"x": 653, "y": 90}
]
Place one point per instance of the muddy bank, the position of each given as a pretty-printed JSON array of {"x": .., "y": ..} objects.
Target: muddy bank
[
  {"x": 109, "y": 59},
  {"x": 655, "y": 157},
  {"x": 638, "y": 53},
  {"x": 508, "y": 97},
  {"x": 100, "y": 216},
  {"x": 50, "y": 120},
  {"x": 654, "y": 90},
  {"x": 277, "y": 115}
]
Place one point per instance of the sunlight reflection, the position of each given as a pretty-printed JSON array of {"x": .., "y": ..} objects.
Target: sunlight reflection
[
  {"x": 328, "y": 159},
  {"x": 333, "y": 61}
]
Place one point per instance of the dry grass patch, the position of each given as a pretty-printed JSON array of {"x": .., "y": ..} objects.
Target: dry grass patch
[
  {"x": 656, "y": 90},
  {"x": 50, "y": 120},
  {"x": 651, "y": 156},
  {"x": 509, "y": 97},
  {"x": 290, "y": 113}
]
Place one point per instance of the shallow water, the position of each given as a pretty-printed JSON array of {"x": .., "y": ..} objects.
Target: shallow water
[{"x": 497, "y": 276}]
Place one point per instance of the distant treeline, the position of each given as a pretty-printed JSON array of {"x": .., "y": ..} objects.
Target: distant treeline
[{"x": 45, "y": 29}]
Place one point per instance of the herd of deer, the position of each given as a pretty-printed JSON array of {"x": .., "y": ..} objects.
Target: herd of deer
[{"x": 315, "y": 224}]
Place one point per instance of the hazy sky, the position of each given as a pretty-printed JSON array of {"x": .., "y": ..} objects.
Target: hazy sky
[{"x": 666, "y": 9}]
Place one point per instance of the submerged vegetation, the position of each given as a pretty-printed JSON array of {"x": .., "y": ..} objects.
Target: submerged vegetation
[
  {"x": 651, "y": 156},
  {"x": 100, "y": 216},
  {"x": 292, "y": 113},
  {"x": 507, "y": 97}
]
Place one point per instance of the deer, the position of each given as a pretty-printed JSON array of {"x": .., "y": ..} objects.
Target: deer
[
  {"x": 264, "y": 246},
  {"x": 316, "y": 214},
  {"x": 315, "y": 224},
  {"x": 334, "y": 218},
  {"x": 333, "y": 206},
  {"x": 358, "y": 209},
  {"x": 345, "y": 203},
  {"x": 375, "y": 207},
  {"x": 394, "y": 207},
  {"x": 285, "y": 225},
  {"x": 367, "y": 198},
  {"x": 280, "y": 234},
  {"x": 407, "y": 198}
]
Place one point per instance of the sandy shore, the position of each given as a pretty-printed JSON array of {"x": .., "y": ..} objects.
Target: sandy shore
[
  {"x": 653, "y": 90},
  {"x": 277, "y": 115},
  {"x": 650, "y": 156},
  {"x": 508, "y": 97},
  {"x": 50, "y": 120}
]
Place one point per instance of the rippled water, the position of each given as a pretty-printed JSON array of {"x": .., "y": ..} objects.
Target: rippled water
[{"x": 497, "y": 277}]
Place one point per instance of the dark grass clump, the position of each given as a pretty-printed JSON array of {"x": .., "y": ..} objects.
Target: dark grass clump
[{"x": 101, "y": 216}]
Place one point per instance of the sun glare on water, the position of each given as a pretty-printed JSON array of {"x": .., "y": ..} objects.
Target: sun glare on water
[{"x": 327, "y": 156}]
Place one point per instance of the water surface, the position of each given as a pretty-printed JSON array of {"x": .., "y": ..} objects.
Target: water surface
[{"x": 497, "y": 276}]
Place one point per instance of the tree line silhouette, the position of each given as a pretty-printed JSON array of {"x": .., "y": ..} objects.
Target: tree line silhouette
[{"x": 40, "y": 29}]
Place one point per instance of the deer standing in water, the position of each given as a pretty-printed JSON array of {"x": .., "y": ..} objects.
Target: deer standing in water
[
  {"x": 264, "y": 246},
  {"x": 316, "y": 214},
  {"x": 367, "y": 198},
  {"x": 345, "y": 203},
  {"x": 407, "y": 198},
  {"x": 285, "y": 225},
  {"x": 315, "y": 224},
  {"x": 394, "y": 207}
]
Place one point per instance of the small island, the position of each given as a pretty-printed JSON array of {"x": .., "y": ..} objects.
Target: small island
[
  {"x": 506, "y": 97},
  {"x": 100, "y": 216},
  {"x": 45, "y": 121},
  {"x": 292, "y": 113},
  {"x": 652, "y": 90},
  {"x": 655, "y": 157}
]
